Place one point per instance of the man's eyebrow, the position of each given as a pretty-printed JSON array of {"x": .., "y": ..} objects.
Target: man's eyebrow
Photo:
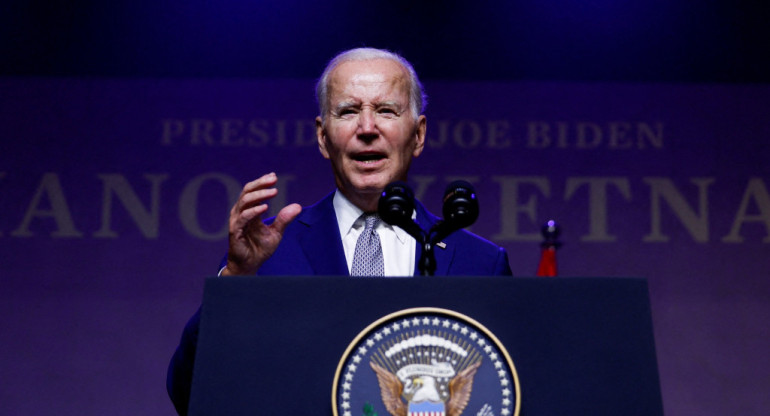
[
  {"x": 346, "y": 104},
  {"x": 355, "y": 104}
]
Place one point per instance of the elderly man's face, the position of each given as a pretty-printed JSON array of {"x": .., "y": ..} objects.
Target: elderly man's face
[{"x": 370, "y": 134}]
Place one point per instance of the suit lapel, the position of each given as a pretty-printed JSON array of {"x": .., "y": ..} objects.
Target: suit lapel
[{"x": 320, "y": 240}]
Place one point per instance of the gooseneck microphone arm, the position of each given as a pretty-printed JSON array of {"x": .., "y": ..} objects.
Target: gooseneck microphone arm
[
  {"x": 461, "y": 208},
  {"x": 395, "y": 207}
]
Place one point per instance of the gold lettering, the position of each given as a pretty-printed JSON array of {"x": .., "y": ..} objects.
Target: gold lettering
[
  {"x": 171, "y": 129},
  {"x": 443, "y": 135},
  {"x": 511, "y": 208},
  {"x": 280, "y": 133},
  {"x": 188, "y": 204},
  {"x": 497, "y": 134},
  {"x": 465, "y": 134},
  {"x": 654, "y": 137},
  {"x": 231, "y": 129},
  {"x": 201, "y": 132},
  {"x": 756, "y": 191},
  {"x": 562, "y": 127},
  {"x": 695, "y": 223},
  {"x": 619, "y": 135},
  {"x": 537, "y": 135},
  {"x": 259, "y": 137},
  {"x": 467, "y": 142},
  {"x": 301, "y": 139},
  {"x": 146, "y": 219},
  {"x": 589, "y": 135},
  {"x": 597, "y": 203},
  {"x": 50, "y": 188}
]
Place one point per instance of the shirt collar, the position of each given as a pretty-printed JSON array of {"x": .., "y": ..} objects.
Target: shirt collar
[{"x": 347, "y": 214}]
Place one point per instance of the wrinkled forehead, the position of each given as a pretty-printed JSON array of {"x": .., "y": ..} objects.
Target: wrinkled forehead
[{"x": 375, "y": 78}]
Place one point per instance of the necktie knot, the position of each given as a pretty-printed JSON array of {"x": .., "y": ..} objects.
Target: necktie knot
[{"x": 370, "y": 222}]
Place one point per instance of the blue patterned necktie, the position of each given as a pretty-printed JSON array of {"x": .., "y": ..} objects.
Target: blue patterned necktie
[{"x": 367, "y": 259}]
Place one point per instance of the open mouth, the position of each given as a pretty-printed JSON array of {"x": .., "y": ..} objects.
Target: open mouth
[{"x": 368, "y": 157}]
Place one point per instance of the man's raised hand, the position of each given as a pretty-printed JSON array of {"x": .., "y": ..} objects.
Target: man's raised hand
[{"x": 251, "y": 241}]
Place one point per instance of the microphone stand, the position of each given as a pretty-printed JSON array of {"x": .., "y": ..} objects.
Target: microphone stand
[{"x": 460, "y": 210}]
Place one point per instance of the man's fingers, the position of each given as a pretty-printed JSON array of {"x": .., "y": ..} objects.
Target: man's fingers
[
  {"x": 269, "y": 179},
  {"x": 255, "y": 197},
  {"x": 247, "y": 215},
  {"x": 254, "y": 193},
  {"x": 285, "y": 216}
]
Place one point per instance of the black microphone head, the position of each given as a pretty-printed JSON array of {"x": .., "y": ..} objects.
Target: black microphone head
[
  {"x": 396, "y": 204},
  {"x": 461, "y": 207}
]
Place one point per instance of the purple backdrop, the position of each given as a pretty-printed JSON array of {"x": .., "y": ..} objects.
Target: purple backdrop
[{"x": 114, "y": 196}]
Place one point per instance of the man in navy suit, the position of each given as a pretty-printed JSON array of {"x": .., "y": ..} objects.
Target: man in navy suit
[{"x": 370, "y": 128}]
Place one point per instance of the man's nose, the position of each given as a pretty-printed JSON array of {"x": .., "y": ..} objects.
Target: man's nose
[{"x": 367, "y": 123}]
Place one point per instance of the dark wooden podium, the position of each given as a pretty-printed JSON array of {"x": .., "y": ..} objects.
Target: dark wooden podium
[{"x": 271, "y": 345}]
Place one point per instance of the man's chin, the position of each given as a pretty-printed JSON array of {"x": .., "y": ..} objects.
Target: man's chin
[
  {"x": 370, "y": 185},
  {"x": 368, "y": 190},
  {"x": 364, "y": 196},
  {"x": 375, "y": 189}
]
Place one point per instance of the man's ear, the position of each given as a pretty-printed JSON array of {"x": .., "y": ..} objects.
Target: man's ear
[
  {"x": 420, "y": 131},
  {"x": 320, "y": 134}
]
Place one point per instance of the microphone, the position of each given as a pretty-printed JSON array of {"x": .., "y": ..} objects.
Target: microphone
[
  {"x": 396, "y": 206},
  {"x": 461, "y": 208}
]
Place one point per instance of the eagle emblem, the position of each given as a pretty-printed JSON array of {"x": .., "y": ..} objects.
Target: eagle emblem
[
  {"x": 426, "y": 362},
  {"x": 421, "y": 395}
]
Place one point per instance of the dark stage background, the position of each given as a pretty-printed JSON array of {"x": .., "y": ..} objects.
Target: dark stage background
[{"x": 126, "y": 129}]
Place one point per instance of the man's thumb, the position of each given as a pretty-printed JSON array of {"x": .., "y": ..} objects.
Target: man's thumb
[{"x": 285, "y": 216}]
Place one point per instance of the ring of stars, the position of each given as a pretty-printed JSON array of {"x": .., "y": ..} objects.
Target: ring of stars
[{"x": 401, "y": 328}]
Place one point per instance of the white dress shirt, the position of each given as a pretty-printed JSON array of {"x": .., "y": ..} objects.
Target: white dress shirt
[{"x": 397, "y": 246}]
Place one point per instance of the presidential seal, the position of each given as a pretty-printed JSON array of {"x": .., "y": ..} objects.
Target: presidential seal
[{"x": 426, "y": 362}]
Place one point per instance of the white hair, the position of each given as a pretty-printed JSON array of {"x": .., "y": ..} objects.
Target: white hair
[{"x": 417, "y": 98}]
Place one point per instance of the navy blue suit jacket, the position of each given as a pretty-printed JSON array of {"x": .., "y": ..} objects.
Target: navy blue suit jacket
[{"x": 311, "y": 245}]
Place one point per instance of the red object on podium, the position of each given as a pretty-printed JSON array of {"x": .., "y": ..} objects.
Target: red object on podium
[{"x": 547, "y": 266}]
